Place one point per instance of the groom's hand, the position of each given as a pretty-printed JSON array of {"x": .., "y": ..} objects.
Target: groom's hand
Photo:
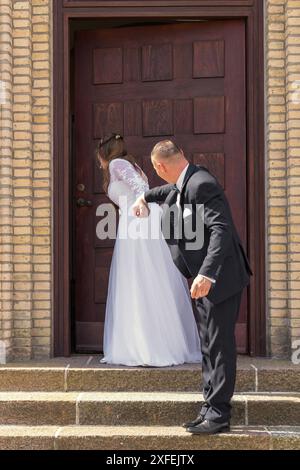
[
  {"x": 200, "y": 287},
  {"x": 140, "y": 208}
]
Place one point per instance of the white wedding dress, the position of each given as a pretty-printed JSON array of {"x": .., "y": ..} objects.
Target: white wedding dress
[{"x": 149, "y": 319}]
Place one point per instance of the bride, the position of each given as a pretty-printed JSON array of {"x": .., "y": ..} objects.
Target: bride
[{"x": 149, "y": 319}]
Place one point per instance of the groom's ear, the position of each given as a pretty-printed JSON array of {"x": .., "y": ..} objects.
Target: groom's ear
[
  {"x": 163, "y": 168},
  {"x": 155, "y": 164}
]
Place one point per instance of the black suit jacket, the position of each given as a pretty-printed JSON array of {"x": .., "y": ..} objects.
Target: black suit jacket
[{"x": 221, "y": 256}]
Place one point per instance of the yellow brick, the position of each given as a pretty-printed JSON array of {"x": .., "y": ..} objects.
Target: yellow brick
[
  {"x": 277, "y": 275},
  {"x": 42, "y": 323},
  {"x": 40, "y": 119},
  {"x": 42, "y": 286},
  {"x": 36, "y": 38},
  {"x": 294, "y": 219},
  {"x": 39, "y": 341},
  {"x": 279, "y": 312},
  {"x": 275, "y": 8},
  {"x": 41, "y": 28},
  {"x": 295, "y": 256},
  {"x": 21, "y": 182},
  {"x": 39, "y": 2},
  {"x": 294, "y": 229},
  {"x": 277, "y": 173},
  {"x": 41, "y": 304},
  {"x": 22, "y": 192},
  {"x": 41, "y": 295},
  {"x": 277, "y": 211},
  {"x": 37, "y": 276},
  {"x": 41, "y": 249}
]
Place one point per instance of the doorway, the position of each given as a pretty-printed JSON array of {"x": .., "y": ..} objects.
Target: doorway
[{"x": 185, "y": 80}]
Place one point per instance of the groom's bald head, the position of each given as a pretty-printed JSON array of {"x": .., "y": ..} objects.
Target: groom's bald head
[
  {"x": 166, "y": 150},
  {"x": 168, "y": 160}
]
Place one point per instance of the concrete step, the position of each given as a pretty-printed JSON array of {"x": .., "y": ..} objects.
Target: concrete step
[
  {"x": 143, "y": 437},
  {"x": 140, "y": 408},
  {"x": 86, "y": 374}
]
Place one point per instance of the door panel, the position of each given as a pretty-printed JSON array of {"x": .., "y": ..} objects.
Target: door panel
[{"x": 183, "y": 81}]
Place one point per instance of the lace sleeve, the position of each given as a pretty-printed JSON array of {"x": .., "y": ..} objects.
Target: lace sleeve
[{"x": 121, "y": 169}]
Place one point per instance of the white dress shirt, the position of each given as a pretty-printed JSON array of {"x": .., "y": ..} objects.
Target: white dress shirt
[{"x": 179, "y": 184}]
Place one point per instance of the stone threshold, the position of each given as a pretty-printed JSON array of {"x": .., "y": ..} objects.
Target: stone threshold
[{"x": 93, "y": 360}]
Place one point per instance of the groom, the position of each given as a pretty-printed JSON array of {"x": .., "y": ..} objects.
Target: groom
[{"x": 219, "y": 267}]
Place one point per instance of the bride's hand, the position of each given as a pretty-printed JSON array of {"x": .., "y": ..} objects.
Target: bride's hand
[
  {"x": 144, "y": 211},
  {"x": 140, "y": 208}
]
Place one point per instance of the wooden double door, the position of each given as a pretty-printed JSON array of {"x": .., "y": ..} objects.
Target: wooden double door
[{"x": 184, "y": 81}]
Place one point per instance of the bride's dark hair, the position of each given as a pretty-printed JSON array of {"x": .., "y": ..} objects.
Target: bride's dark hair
[{"x": 110, "y": 147}]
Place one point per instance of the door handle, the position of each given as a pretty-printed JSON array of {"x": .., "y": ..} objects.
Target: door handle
[{"x": 83, "y": 202}]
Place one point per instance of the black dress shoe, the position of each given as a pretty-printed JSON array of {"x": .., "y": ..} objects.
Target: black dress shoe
[
  {"x": 190, "y": 424},
  {"x": 209, "y": 427},
  {"x": 195, "y": 422}
]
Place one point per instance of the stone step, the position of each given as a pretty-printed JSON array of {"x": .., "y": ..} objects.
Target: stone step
[
  {"x": 139, "y": 408},
  {"x": 145, "y": 438},
  {"x": 82, "y": 374}
]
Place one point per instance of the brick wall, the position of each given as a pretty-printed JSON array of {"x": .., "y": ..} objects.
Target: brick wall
[
  {"x": 282, "y": 21},
  {"x": 25, "y": 207},
  {"x": 25, "y": 177},
  {"x": 6, "y": 143},
  {"x": 292, "y": 61}
]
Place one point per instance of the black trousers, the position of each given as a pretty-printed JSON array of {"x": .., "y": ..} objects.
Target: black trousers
[{"x": 217, "y": 325}]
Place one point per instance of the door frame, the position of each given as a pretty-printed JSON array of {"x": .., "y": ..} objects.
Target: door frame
[{"x": 252, "y": 11}]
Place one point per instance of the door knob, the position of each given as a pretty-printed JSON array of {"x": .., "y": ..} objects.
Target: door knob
[
  {"x": 80, "y": 187},
  {"x": 83, "y": 202}
]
